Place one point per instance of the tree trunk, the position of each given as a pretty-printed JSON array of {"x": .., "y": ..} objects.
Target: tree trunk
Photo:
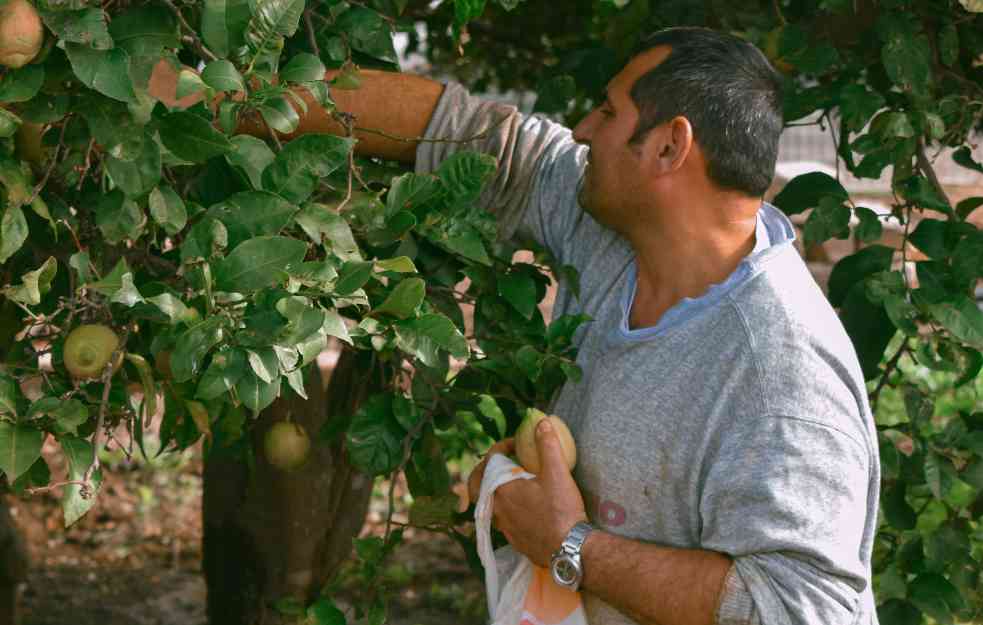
[
  {"x": 270, "y": 534},
  {"x": 13, "y": 553}
]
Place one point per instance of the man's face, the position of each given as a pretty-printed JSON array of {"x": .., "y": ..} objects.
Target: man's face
[{"x": 612, "y": 180}]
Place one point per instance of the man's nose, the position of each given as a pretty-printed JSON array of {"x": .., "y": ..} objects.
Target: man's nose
[{"x": 582, "y": 132}]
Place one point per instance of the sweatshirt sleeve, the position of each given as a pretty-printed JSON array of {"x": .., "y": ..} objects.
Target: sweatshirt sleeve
[
  {"x": 534, "y": 190},
  {"x": 786, "y": 498}
]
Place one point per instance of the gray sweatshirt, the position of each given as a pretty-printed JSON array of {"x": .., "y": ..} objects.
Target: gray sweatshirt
[{"x": 739, "y": 424}]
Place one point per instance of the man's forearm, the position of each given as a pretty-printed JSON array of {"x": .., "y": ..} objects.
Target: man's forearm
[
  {"x": 651, "y": 584},
  {"x": 388, "y": 103}
]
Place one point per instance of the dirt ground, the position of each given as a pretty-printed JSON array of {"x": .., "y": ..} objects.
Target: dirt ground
[{"x": 134, "y": 559}]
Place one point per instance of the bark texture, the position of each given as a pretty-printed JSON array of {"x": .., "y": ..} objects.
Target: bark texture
[{"x": 270, "y": 534}]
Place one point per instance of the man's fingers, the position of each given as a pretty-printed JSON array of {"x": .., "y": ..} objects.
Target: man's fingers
[{"x": 550, "y": 451}]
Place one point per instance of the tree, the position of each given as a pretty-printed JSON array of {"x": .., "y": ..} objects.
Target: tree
[{"x": 224, "y": 263}]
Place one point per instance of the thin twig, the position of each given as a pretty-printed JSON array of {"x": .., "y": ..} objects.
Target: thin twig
[
  {"x": 51, "y": 166},
  {"x": 929, "y": 171},
  {"x": 888, "y": 370},
  {"x": 88, "y": 164},
  {"x": 43, "y": 489},
  {"x": 192, "y": 33},
  {"x": 311, "y": 37},
  {"x": 276, "y": 139},
  {"x": 107, "y": 383},
  {"x": 407, "y": 454}
]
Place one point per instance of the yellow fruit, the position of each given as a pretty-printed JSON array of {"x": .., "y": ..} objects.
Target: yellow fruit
[
  {"x": 286, "y": 445},
  {"x": 21, "y": 33},
  {"x": 87, "y": 350},
  {"x": 525, "y": 440}
]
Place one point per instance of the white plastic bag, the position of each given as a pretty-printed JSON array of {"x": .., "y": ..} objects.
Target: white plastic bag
[{"x": 519, "y": 592}]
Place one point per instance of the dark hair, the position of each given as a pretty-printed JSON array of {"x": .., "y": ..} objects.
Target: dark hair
[{"x": 730, "y": 94}]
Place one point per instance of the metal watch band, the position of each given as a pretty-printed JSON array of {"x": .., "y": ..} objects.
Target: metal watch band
[{"x": 565, "y": 565}]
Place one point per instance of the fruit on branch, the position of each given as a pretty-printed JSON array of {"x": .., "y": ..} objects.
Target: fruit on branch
[
  {"x": 286, "y": 445},
  {"x": 525, "y": 440},
  {"x": 88, "y": 349},
  {"x": 21, "y": 33}
]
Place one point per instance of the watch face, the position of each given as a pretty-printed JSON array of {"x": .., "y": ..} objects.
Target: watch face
[{"x": 566, "y": 571}]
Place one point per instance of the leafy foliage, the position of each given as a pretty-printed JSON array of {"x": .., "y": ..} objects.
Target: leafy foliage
[{"x": 226, "y": 262}]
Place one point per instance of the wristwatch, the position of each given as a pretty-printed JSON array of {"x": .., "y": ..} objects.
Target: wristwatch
[{"x": 565, "y": 565}]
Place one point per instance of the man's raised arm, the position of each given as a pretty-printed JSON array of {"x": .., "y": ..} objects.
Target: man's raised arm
[{"x": 399, "y": 105}]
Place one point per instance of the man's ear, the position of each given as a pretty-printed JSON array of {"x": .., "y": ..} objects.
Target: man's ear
[{"x": 665, "y": 148}]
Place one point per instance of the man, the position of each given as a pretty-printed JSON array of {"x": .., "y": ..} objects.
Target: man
[{"x": 728, "y": 459}]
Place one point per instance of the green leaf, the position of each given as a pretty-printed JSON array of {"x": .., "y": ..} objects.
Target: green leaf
[
  {"x": 320, "y": 222},
  {"x": 192, "y": 347},
  {"x": 967, "y": 258},
  {"x": 303, "y": 67},
  {"x": 399, "y": 264},
  {"x": 529, "y": 361},
  {"x": 167, "y": 208},
  {"x": 898, "y": 612},
  {"x": 438, "y": 329},
  {"x": 375, "y": 438},
  {"x": 223, "y": 25},
  {"x": 128, "y": 295},
  {"x": 919, "y": 191},
  {"x": 467, "y": 242},
  {"x": 404, "y": 299},
  {"x": 135, "y": 177},
  {"x": 78, "y": 452},
  {"x": 106, "y": 71},
  {"x": 353, "y": 276},
  {"x": 34, "y": 284},
  {"x": 489, "y": 407},
  {"x": 222, "y": 75},
  {"x": 297, "y": 169},
  {"x": 13, "y": 232},
  {"x": 962, "y": 318},
  {"x": 111, "y": 125},
  {"x": 9, "y": 392},
  {"x": 897, "y": 511},
  {"x": 87, "y": 26},
  {"x": 21, "y": 85},
  {"x": 555, "y": 94},
  {"x": 519, "y": 290},
  {"x": 907, "y": 56},
  {"x": 368, "y": 32},
  {"x": 433, "y": 510},
  {"x": 870, "y": 228},
  {"x": 113, "y": 281},
  {"x": 119, "y": 218},
  {"x": 869, "y": 327},
  {"x": 935, "y": 596},
  {"x": 858, "y": 104},
  {"x": 930, "y": 237},
  {"x": 252, "y": 156},
  {"x": 251, "y": 214},
  {"x": 324, "y": 612},
  {"x": 264, "y": 364},
  {"x": 20, "y": 446},
  {"x": 224, "y": 372},
  {"x": 146, "y": 373},
  {"x": 272, "y": 21},
  {"x": 191, "y": 138},
  {"x": 9, "y": 123},
  {"x": 828, "y": 220},
  {"x": 855, "y": 268},
  {"x": 964, "y": 156},
  {"x": 805, "y": 191},
  {"x": 967, "y": 206},
  {"x": 465, "y": 173},
  {"x": 258, "y": 263},
  {"x": 279, "y": 114},
  {"x": 145, "y": 30},
  {"x": 189, "y": 83},
  {"x": 410, "y": 191}
]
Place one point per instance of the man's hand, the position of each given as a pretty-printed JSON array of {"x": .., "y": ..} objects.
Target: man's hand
[{"x": 535, "y": 515}]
